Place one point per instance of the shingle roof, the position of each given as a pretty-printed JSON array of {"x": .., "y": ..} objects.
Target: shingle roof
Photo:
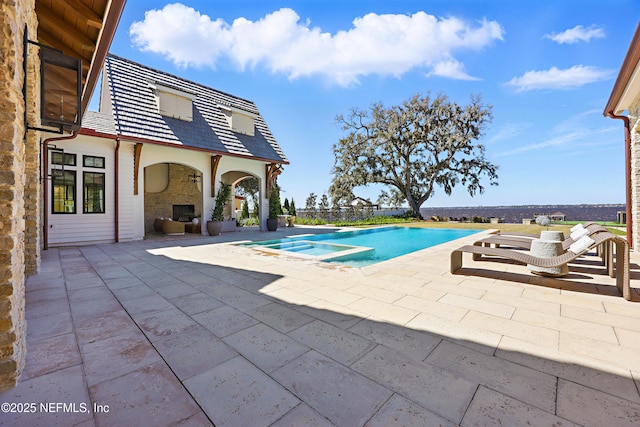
[
  {"x": 136, "y": 115},
  {"x": 99, "y": 122}
]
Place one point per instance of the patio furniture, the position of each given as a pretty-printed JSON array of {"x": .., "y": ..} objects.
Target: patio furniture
[
  {"x": 524, "y": 241},
  {"x": 547, "y": 249},
  {"x": 576, "y": 250},
  {"x": 172, "y": 228}
]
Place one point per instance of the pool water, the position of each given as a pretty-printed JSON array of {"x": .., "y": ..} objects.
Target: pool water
[{"x": 359, "y": 248}]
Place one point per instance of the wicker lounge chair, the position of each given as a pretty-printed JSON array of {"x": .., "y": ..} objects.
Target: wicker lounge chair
[
  {"x": 603, "y": 238},
  {"x": 523, "y": 241}
]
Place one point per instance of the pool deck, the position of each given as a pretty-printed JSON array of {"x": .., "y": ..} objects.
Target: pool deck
[{"x": 193, "y": 331}]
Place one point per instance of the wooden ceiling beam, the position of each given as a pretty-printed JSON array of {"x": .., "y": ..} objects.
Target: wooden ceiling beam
[
  {"x": 50, "y": 40},
  {"x": 48, "y": 19},
  {"x": 83, "y": 12}
]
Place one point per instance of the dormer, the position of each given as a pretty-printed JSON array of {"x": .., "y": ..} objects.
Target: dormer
[
  {"x": 239, "y": 121},
  {"x": 172, "y": 102}
]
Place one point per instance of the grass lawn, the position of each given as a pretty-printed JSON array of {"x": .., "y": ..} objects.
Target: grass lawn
[{"x": 517, "y": 228}]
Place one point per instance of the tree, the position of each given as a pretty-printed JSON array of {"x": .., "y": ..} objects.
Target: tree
[
  {"x": 413, "y": 148},
  {"x": 256, "y": 208},
  {"x": 248, "y": 187},
  {"x": 245, "y": 209},
  {"x": 323, "y": 207},
  {"x": 292, "y": 209},
  {"x": 310, "y": 207},
  {"x": 286, "y": 206}
]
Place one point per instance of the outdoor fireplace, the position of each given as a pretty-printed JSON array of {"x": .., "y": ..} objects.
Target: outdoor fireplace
[{"x": 181, "y": 212}]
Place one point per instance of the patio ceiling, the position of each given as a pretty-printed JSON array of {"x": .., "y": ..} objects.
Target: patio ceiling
[{"x": 82, "y": 29}]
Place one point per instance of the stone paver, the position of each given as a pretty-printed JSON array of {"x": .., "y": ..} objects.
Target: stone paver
[
  {"x": 265, "y": 347},
  {"x": 147, "y": 396},
  {"x": 490, "y": 408},
  {"x": 191, "y": 332},
  {"x": 399, "y": 411},
  {"x": 236, "y": 393},
  {"x": 342, "y": 395},
  {"x": 444, "y": 392}
]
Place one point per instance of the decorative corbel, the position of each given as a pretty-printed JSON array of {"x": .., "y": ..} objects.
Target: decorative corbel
[
  {"x": 215, "y": 161},
  {"x": 272, "y": 172},
  {"x": 137, "y": 151}
]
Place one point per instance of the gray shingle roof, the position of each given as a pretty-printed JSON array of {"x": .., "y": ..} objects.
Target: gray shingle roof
[
  {"x": 135, "y": 113},
  {"x": 99, "y": 122}
]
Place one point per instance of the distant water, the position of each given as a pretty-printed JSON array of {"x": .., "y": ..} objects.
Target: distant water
[{"x": 515, "y": 214}]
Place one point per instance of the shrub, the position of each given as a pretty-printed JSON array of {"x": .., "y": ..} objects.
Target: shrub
[
  {"x": 274, "y": 202},
  {"x": 217, "y": 212}
]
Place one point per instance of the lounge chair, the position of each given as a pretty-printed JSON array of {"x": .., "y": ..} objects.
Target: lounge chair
[
  {"x": 587, "y": 225},
  {"x": 523, "y": 241},
  {"x": 603, "y": 238}
]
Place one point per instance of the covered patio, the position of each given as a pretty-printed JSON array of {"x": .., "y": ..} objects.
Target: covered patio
[{"x": 194, "y": 331}]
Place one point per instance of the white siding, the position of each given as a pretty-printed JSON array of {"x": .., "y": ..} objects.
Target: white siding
[
  {"x": 80, "y": 228},
  {"x": 126, "y": 220}
]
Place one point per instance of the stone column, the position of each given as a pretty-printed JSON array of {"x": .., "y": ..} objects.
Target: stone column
[{"x": 14, "y": 16}]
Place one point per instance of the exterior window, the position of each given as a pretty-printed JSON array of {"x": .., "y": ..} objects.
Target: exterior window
[
  {"x": 93, "y": 162},
  {"x": 58, "y": 158},
  {"x": 173, "y": 102},
  {"x": 64, "y": 192},
  {"x": 93, "y": 192}
]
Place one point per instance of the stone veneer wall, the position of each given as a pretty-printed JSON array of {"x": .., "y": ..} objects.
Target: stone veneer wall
[
  {"x": 179, "y": 191},
  {"x": 33, "y": 183},
  {"x": 634, "y": 125},
  {"x": 13, "y": 168}
]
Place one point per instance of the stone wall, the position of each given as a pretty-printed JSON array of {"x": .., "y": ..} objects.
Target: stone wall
[
  {"x": 14, "y": 16},
  {"x": 33, "y": 183},
  {"x": 180, "y": 191}
]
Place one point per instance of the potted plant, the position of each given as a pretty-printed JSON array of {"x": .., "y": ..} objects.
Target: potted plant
[
  {"x": 274, "y": 208},
  {"x": 214, "y": 225}
]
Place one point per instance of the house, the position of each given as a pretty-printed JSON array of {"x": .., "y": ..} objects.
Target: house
[
  {"x": 159, "y": 147},
  {"x": 625, "y": 96},
  {"x": 41, "y": 40},
  {"x": 360, "y": 203}
]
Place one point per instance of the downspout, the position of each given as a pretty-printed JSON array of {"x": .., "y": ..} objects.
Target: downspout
[
  {"x": 45, "y": 187},
  {"x": 627, "y": 155},
  {"x": 115, "y": 188}
]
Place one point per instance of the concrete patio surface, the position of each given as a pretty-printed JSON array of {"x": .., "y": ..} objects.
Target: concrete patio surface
[{"x": 194, "y": 331}]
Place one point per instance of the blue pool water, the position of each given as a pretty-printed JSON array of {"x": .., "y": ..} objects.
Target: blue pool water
[{"x": 387, "y": 243}]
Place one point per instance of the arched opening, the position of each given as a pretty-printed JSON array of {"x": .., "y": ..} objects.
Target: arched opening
[
  {"x": 245, "y": 187},
  {"x": 171, "y": 190}
]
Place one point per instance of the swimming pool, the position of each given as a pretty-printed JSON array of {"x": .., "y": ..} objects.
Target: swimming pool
[{"x": 359, "y": 248}]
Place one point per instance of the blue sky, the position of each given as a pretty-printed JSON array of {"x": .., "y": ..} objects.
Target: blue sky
[{"x": 546, "y": 67}]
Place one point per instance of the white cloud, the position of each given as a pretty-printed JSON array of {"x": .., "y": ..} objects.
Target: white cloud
[
  {"x": 577, "y": 34},
  {"x": 555, "y": 78},
  {"x": 508, "y": 132},
  {"x": 574, "y": 133},
  {"x": 376, "y": 44},
  {"x": 182, "y": 34},
  {"x": 452, "y": 69}
]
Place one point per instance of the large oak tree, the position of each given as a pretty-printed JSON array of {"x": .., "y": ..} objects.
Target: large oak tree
[{"x": 413, "y": 148}]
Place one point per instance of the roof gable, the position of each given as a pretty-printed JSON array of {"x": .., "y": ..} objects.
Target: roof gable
[
  {"x": 627, "y": 86},
  {"x": 134, "y": 107}
]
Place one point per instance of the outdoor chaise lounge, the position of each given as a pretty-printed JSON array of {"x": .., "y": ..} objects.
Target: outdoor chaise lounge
[
  {"x": 524, "y": 241},
  {"x": 580, "y": 247},
  {"x": 520, "y": 240}
]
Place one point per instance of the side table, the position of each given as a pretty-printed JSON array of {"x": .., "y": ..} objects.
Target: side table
[{"x": 547, "y": 249}]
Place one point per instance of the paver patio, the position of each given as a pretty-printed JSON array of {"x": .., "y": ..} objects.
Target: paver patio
[{"x": 195, "y": 331}]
